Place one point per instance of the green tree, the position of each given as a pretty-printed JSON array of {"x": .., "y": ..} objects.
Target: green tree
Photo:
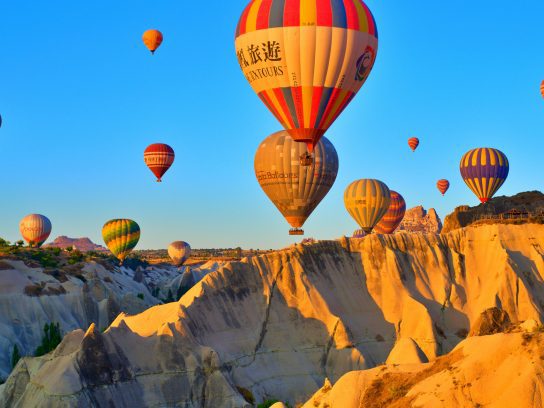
[
  {"x": 50, "y": 340},
  {"x": 15, "y": 356}
]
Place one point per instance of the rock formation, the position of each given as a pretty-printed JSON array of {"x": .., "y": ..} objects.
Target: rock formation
[
  {"x": 278, "y": 325},
  {"x": 417, "y": 219},
  {"x": 81, "y": 244},
  {"x": 530, "y": 203}
]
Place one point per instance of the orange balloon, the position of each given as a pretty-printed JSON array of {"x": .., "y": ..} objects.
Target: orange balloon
[
  {"x": 413, "y": 142},
  {"x": 152, "y": 40}
]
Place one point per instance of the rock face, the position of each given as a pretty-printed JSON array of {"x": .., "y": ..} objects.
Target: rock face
[
  {"x": 81, "y": 244},
  {"x": 77, "y": 297},
  {"x": 278, "y": 325},
  {"x": 417, "y": 219},
  {"x": 531, "y": 202},
  {"x": 491, "y": 321},
  {"x": 502, "y": 370}
]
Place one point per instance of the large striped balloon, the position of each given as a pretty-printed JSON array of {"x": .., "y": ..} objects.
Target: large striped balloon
[
  {"x": 306, "y": 59},
  {"x": 179, "y": 252},
  {"x": 443, "y": 185},
  {"x": 35, "y": 229},
  {"x": 394, "y": 215},
  {"x": 484, "y": 170},
  {"x": 159, "y": 157},
  {"x": 295, "y": 190},
  {"x": 367, "y": 201},
  {"x": 413, "y": 142},
  {"x": 121, "y": 236}
]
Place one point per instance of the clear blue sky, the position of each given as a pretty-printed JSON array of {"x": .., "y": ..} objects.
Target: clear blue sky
[{"x": 81, "y": 98}]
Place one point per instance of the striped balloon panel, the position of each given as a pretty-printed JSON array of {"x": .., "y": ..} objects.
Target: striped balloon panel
[
  {"x": 35, "y": 229},
  {"x": 394, "y": 215},
  {"x": 294, "y": 189},
  {"x": 484, "y": 170},
  {"x": 306, "y": 59},
  {"x": 179, "y": 252},
  {"x": 413, "y": 142},
  {"x": 443, "y": 186},
  {"x": 367, "y": 201},
  {"x": 541, "y": 90},
  {"x": 121, "y": 236},
  {"x": 159, "y": 157},
  {"x": 359, "y": 233}
]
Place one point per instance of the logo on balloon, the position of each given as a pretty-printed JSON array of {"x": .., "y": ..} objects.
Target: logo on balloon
[{"x": 364, "y": 64}]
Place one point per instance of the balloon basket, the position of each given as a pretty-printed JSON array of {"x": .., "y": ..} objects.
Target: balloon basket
[{"x": 296, "y": 231}]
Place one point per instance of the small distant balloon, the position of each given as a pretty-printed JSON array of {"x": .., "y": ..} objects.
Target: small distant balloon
[
  {"x": 159, "y": 157},
  {"x": 179, "y": 252},
  {"x": 152, "y": 40},
  {"x": 484, "y": 171},
  {"x": 413, "y": 142},
  {"x": 35, "y": 229},
  {"x": 542, "y": 89},
  {"x": 394, "y": 215},
  {"x": 359, "y": 233},
  {"x": 367, "y": 201},
  {"x": 121, "y": 236},
  {"x": 443, "y": 185}
]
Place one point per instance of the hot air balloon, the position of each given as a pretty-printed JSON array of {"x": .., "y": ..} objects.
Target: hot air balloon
[
  {"x": 359, "y": 234},
  {"x": 413, "y": 142},
  {"x": 484, "y": 170},
  {"x": 367, "y": 201},
  {"x": 152, "y": 40},
  {"x": 121, "y": 236},
  {"x": 159, "y": 157},
  {"x": 294, "y": 189},
  {"x": 394, "y": 215},
  {"x": 306, "y": 60},
  {"x": 542, "y": 89},
  {"x": 443, "y": 185},
  {"x": 35, "y": 229},
  {"x": 179, "y": 251}
]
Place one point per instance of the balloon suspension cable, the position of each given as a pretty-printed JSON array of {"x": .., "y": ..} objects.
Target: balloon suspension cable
[{"x": 296, "y": 231}]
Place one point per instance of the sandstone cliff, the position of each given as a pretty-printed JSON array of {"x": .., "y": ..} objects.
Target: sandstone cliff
[
  {"x": 530, "y": 203},
  {"x": 81, "y": 244},
  {"x": 417, "y": 219},
  {"x": 279, "y": 324}
]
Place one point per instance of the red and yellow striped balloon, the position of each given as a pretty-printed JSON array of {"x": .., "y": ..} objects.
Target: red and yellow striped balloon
[
  {"x": 542, "y": 89},
  {"x": 159, "y": 157},
  {"x": 394, "y": 215},
  {"x": 443, "y": 185},
  {"x": 35, "y": 229},
  {"x": 306, "y": 59},
  {"x": 413, "y": 142}
]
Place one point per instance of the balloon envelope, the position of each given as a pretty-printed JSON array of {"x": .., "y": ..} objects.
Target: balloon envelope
[
  {"x": 443, "y": 186},
  {"x": 121, "y": 236},
  {"x": 542, "y": 89},
  {"x": 306, "y": 60},
  {"x": 35, "y": 229},
  {"x": 367, "y": 201},
  {"x": 152, "y": 40},
  {"x": 294, "y": 189},
  {"x": 394, "y": 215},
  {"x": 159, "y": 157},
  {"x": 413, "y": 142},
  {"x": 179, "y": 252},
  {"x": 484, "y": 170}
]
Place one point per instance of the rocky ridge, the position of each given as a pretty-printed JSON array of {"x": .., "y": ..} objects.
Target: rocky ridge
[
  {"x": 278, "y": 325},
  {"x": 417, "y": 219}
]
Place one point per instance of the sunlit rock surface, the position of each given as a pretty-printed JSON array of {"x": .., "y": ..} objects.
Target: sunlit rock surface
[{"x": 279, "y": 324}]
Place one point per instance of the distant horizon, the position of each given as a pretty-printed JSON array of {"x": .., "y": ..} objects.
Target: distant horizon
[{"x": 82, "y": 97}]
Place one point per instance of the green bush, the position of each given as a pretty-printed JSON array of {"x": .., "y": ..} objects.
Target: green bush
[
  {"x": 50, "y": 340},
  {"x": 15, "y": 356}
]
